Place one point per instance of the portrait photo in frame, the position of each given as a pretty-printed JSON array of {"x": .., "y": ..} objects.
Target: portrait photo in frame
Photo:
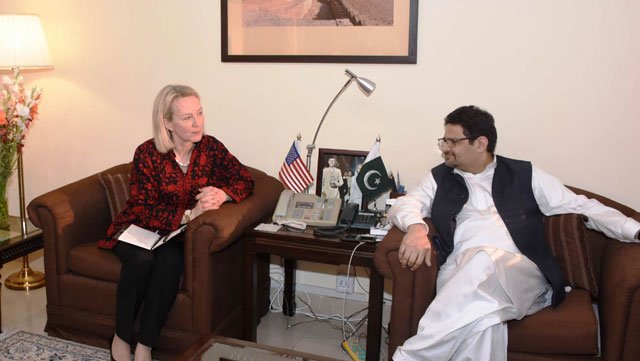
[
  {"x": 349, "y": 31},
  {"x": 336, "y": 171}
]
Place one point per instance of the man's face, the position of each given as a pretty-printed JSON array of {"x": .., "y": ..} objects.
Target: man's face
[{"x": 461, "y": 154}]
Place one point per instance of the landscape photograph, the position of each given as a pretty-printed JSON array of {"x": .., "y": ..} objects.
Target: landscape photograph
[{"x": 317, "y": 13}]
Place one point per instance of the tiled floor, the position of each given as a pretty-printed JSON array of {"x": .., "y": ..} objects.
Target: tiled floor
[{"x": 25, "y": 310}]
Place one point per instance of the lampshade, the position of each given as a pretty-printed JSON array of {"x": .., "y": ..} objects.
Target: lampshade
[
  {"x": 366, "y": 85},
  {"x": 22, "y": 42}
]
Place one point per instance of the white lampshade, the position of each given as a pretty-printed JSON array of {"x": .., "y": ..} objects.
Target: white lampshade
[{"x": 22, "y": 42}]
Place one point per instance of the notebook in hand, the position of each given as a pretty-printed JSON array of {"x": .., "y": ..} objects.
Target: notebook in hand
[{"x": 146, "y": 239}]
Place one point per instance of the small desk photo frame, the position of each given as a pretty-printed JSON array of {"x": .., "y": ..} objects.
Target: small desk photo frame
[{"x": 347, "y": 163}]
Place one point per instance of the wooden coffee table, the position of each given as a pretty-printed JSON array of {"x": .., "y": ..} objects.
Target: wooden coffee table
[{"x": 217, "y": 348}]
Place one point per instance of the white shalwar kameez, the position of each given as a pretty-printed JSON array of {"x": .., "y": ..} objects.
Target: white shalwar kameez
[{"x": 486, "y": 281}]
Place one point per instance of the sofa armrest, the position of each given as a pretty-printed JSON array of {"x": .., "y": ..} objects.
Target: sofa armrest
[
  {"x": 412, "y": 291},
  {"x": 387, "y": 252},
  {"x": 619, "y": 301},
  {"x": 210, "y": 241},
  {"x": 70, "y": 215},
  {"x": 222, "y": 226}
]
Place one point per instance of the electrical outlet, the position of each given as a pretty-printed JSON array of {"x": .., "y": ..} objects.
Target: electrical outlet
[{"x": 344, "y": 283}]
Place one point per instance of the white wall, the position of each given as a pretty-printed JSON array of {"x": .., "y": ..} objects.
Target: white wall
[{"x": 561, "y": 78}]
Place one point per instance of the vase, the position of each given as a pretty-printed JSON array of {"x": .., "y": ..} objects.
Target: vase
[
  {"x": 8, "y": 158},
  {"x": 4, "y": 204}
]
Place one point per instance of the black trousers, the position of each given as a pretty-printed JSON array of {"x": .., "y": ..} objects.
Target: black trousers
[{"x": 149, "y": 278}]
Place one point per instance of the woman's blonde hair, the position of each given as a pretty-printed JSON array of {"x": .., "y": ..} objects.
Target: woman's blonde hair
[{"x": 162, "y": 109}]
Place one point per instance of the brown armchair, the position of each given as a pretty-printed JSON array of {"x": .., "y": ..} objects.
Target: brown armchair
[
  {"x": 603, "y": 272},
  {"x": 81, "y": 278}
]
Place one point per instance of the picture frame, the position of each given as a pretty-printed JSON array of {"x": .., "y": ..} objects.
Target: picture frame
[
  {"x": 386, "y": 34},
  {"x": 347, "y": 161}
]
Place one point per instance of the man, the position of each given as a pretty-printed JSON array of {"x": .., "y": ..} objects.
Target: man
[
  {"x": 331, "y": 179},
  {"x": 494, "y": 263}
]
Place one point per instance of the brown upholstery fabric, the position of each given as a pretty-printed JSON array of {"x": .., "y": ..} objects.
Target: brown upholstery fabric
[
  {"x": 82, "y": 279},
  {"x": 570, "y": 328},
  {"x": 116, "y": 187},
  {"x": 570, "y": 331},
  {"x": 565, "y": 235}
]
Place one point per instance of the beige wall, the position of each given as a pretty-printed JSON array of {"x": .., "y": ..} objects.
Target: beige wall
[{"x": 561, "y": 78}]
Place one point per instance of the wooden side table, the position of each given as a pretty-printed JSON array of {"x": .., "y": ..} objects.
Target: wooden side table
[
  {"x": 294, "y": 246},
  {"x": 13, "y": 245}
]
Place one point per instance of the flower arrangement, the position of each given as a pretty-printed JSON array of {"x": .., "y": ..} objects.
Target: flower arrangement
[{"x": 19, "y": 110}]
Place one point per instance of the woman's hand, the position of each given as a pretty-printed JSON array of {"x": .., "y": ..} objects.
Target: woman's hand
[{"x": 209, "y": 198}]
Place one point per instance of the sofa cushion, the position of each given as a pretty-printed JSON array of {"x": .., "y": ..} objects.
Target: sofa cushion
[
  {"x": 88, "y": 260},
  {"x": 571, "y": 328},
  {"x": 565, "y": 235},
  {"x": 116, "y": 186}
]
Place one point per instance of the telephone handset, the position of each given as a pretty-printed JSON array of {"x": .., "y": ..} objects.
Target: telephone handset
[
  {"x": 306, "y": 208},
  {"x": 352, "y": 217}
]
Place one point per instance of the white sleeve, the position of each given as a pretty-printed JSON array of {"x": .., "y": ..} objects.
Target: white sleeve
[
  {"x": 416, "y": 205},
  {"x": 554, "y": 198}
]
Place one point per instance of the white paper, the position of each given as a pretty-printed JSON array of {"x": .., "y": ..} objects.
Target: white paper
[
  {"x": 268, "y": 227},
  {"x": 144, "y": 238}
]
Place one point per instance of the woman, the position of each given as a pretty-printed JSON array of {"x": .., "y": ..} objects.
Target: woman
[{"x": 176, "y": 176}]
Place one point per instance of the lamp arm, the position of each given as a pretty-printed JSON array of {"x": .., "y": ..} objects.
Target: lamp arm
[
  {"x": 344, "y": 87},
  {"x": 312, "y": 146}
]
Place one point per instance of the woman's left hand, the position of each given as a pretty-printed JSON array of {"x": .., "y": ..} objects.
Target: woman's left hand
[{"x": 211, "y": 198}]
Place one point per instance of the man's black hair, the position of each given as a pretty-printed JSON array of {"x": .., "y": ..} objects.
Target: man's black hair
[{"x": 475, "y": 122}]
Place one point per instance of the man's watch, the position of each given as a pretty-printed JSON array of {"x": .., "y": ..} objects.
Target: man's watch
[{"x": 187, "y": 215}]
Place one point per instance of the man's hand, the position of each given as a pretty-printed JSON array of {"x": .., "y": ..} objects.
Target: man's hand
[{"x": 415, "y": 247}]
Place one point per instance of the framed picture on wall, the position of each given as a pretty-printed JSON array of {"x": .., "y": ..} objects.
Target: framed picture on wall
[
  {"x": 320, "y": 31},
  {"x": 336, "y": 170}
]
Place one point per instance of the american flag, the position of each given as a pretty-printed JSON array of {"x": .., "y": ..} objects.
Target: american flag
[{"x": 294, "y": 174}]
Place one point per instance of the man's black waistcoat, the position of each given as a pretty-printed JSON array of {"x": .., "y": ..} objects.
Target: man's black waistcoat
[{"x": 517, "y": 206}]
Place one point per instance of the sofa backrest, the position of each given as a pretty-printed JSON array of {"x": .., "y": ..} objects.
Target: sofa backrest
[
  {"x": 577, "y": 248},
  {"x": 565, "y": 235},
  {"x": 115, "y": 181}
]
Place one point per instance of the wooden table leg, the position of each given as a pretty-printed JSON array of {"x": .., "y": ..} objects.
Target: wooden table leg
[
  {"x": 374, "y": 321},
  {"x": 249, "y": 316},
  {"x": 289, "y": 293},
  {"x": 0, "y": 298}
]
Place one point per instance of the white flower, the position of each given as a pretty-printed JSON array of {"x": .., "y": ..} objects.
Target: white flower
[
  {"x": 6, "y": 80},
  {"x": 23, "y": 111},
  {"x": 15, "y": 88}
]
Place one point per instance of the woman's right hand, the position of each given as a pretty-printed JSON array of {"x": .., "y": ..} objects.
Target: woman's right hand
[{"x": 209, "y": 198}]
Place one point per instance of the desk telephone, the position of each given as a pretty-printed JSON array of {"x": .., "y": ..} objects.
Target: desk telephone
[{"x": 300, "y": 209}]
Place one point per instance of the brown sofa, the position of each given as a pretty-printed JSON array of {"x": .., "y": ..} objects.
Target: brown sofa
[
  {"x": 81, "y": 278},
  {"x": 603, "y": 273}
]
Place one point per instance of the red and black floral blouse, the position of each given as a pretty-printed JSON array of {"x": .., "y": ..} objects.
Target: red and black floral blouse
[{"x": 161, "y": 192}]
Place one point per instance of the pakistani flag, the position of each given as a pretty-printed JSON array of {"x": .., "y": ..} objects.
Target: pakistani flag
[{"x": 373, "y": 179}]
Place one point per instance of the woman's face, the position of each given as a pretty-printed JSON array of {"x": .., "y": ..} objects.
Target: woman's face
[{"x": 187, "y": 123}]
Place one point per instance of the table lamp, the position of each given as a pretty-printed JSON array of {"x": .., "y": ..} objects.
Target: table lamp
[
  {"x": 23, "y": 46},
  {"x": 367, "y": 87}
]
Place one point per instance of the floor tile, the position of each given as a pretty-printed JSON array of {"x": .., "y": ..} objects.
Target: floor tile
[{"x": 26, "y": 310}]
